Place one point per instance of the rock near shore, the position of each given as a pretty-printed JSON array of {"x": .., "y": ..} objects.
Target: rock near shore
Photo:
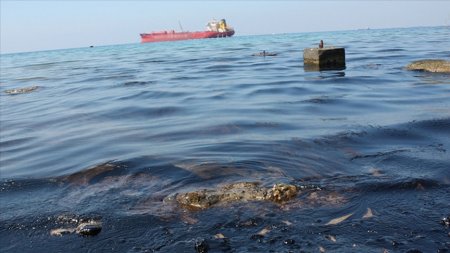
[
  {"x": 435, "y": 66},
  {"x": 243, "y": 191},
  {"x": 21, "y": 90}
]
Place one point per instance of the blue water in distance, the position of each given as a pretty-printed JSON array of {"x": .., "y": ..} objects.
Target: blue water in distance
[{"x": 212, "y": 109}]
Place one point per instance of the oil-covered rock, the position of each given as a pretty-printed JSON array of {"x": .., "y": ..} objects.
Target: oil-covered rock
[
  {"x": 243, "y": 191},
  {"x": 435, "y": 66}
]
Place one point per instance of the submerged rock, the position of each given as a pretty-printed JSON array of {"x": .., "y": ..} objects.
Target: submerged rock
[
  {"x": 289, "y": 241},
  {"x": 264, "y": 53},
  {"x": 201, "y": 246},
  {"x": 78, "y": 226},
  {"x": 61, "y": 231},
  {"x": 282, "y": 192},
  {"x": 89, "y": 228},
  {"x": 85, "y": 177},
  {"x": 446, "y": 221},
  {"x": 435, "y": 66},
  {"x": 244, "y": 191},
  {"x": 21, "y": 90}
]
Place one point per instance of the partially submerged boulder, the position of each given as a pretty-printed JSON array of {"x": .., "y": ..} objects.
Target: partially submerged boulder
[
  {"x": 435, "y": 66},
  {"x": 244, "y": 191}
]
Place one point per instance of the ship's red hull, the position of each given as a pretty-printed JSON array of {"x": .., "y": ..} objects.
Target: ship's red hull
[{"x": 173, "y": 36}]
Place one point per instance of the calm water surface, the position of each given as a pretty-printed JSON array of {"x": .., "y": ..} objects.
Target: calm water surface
[{"x": 112, "y": 131}]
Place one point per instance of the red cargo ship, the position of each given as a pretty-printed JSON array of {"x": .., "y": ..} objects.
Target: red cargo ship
[{"x": 214, "y": 29}]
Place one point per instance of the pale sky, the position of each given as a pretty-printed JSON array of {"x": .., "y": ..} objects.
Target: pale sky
[{"x": 44, "y": 25}]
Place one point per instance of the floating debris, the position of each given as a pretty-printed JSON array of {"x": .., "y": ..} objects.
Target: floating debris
[
  {"x": 322, "y": 249},
  {"x": 368, "y": 214},
  {"x": 339, "y": 220},
  {"x": 376, "y": 172},
  {"x": 219, "y": 236},
  {"x": 263, "y": 232},
  {"x": 287, "y": 222},
  {"x": 21, "y": 90},
  {"x": 331, "y": 238}
]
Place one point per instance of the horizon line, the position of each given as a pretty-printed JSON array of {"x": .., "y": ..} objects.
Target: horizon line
[{"x": 244, "y": 35}]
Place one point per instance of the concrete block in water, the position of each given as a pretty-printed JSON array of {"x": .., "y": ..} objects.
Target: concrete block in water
[{"x": 329, "y": 58}]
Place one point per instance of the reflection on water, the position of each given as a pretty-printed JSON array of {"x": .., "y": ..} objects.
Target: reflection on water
[{"x": 113, "y": 134}]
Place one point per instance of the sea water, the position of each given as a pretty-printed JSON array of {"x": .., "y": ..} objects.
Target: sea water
[{"x": 111, "y": 131}]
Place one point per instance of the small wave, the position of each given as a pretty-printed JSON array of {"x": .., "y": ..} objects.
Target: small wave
[
  {"x": 220, "y": 68},
  {"x": 379, "y": 154},
  {"x": 399, "y": 185},
  {"x": 148, "y": 94},
  {"x": 137, "y": 112},
  {"x": 46, "y": 65},
  {"x": 278, "y": 90},
  {"x": 320, "y": 100},
  {"x": 390, "y": 50},
  {"x": 113, "y": 77},
  {"x": 138, "y": 83},
  {"x": 14, "y": 142},
  {"x": 151, "y": 61},
  {"x": 33, "y": 78},
  {"x": 415, "y": 131},
  {"x": 433, "y": 125},
  {"x": 186, "y": 78}
]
